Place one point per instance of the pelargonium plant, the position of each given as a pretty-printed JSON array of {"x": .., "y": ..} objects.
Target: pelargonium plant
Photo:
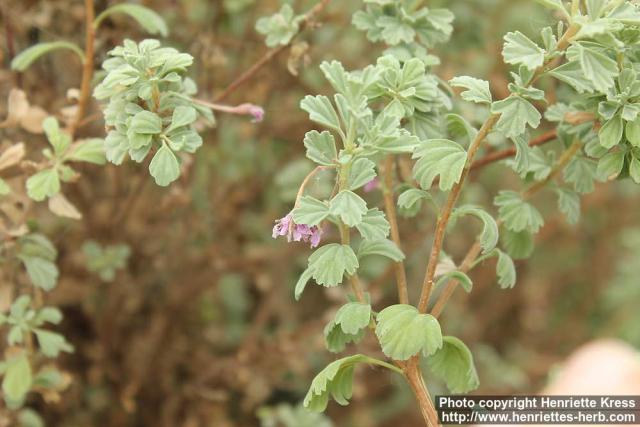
[{"x": 397, "y": 111}]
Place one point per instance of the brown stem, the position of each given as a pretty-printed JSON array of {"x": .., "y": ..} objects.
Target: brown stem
[
  {"x": 443, "y": 220},
  {"x": 87, "y": 67},
  {"x": 427, "y": 284},
  {"x": 390, "y": 210},
  {"x": 413, "y": 373},
  {"x": 510, "y": 152},
  {"x": 271, "y": 54}
]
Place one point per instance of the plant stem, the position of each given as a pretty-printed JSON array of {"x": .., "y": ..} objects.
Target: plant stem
[
  {"x": 443, "y": 220},
  {"x": 390, "y": 210},
  {"x": 271, "y": 54},
  {"x": 87, "y": 66},
  {"x": 510, "y": 152},
  {"x": 413, "y": 374},
  {"x": 475, "y": 250},
  {"x": 441, "y": 227}
]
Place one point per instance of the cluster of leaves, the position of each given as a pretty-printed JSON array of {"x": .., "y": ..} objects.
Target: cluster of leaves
[
  {"x": 399, "y": 107},
  {"x": 281, "y": 27},
  {"x": 150, "y": 109},
  {"x": 405, "y": 26},
  {"x": 30, "y": 341},
  {"x": 105, "y": 261},
  {"x": 46, "y": 183},
  {"x": 26, "y": 321}
]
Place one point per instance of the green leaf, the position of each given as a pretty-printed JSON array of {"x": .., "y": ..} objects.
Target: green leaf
[
  {"x": 569, "y": 204},
  {"x": 146, "y": 122},
  {"x": 611, "y": 165},
  {"x": 374, "y": 225},
  {"x": 476, "y": 90},
  {"x": 632, "y": 132},
  {"x": 453, "y": 364},
  {"x": 17, "y": 379},
  {"x": 595, "y": 8},
  {"x": 24, "y": 59},
  {"x": 51, "y": 343},
  {"x": 555, "y": 5},
  {"x": 310, "y": 211},
  {"x": 518, "y": 244},
  {"x": 302, "y": 283},
  {"x": 182, "y": 116},
  {"x": 459, "y": 276},
  {"x": 89, "y": 150},
  {"x": 321, "y": 147},
  {"x": 597, "y": 67},
  {"x": 572, "y": 74},
  {"x": 4, "y": 188},
  {"x": 329, "y": 264},
  {"x": 361, "y": 172},
  {"x": 410, "y": 201},
  {"x": 489, "y": 235},
  {"x": 164, "y": 166},
  {"x": 349, "y": 207},
  {"x": 147, "y": 18},
  {"x": 353, "y": 316},
  {"x": 58, "y": 139},
  {"x": 459, "y": 128},
  {"x": 520, "y": 50},
  {"x": 581, "y": 172},
  {"x": 383, "y": 247},
  {"x": 515, "y": 114},
  {"x": 439, "y": 157},
  {"x": 279, "y": 28},
  {"x": 517, "y": 214},
  {"x": 335, "y": 380},
  {"x": 336, "y": 339},
  {"x": 506, "y": 270},
  {"x": 634, "y": 169},
  {"x": 321, "y": 111},
  {"x": 45, "y": 183},
  {"x": 404, "y": 332},
  {"x": 42, "y": 272},
  {"x": 610, "y": 133}
]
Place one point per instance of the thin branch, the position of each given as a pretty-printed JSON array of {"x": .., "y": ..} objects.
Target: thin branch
[
  {"x": 87, "y": 67},
  {"x": 306, "y": 180},
  {"x": 510, "y": 152},
  {"x": 475, "y": 250},
  {"x": 443, "y": 220},
  {"x": 427, "y": 284},
  {"x": 271, "y": 54},
  {"x": 390, "y": 210}
]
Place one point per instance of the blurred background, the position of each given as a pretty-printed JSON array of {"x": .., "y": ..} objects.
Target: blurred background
[{"x": 180, "y": 304}]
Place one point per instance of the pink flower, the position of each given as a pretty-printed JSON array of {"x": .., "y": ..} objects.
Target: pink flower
[
  {"x": 297, "y": 232},
  {"x": 372, "y": 185},
  {"x": 257, "y": 112}
]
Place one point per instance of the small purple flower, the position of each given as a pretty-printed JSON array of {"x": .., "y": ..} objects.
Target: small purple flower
[
  {"x": 282, "y": 226},
  {"x": 297, "y": 232},
  {"x": 372, "y": 185},
  {"x": 257, "y": 112}
]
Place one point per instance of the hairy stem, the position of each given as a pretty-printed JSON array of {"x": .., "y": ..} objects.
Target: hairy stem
[
  {"x": 390, "y": 210},
  {"x": 87, "y": 66}
]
